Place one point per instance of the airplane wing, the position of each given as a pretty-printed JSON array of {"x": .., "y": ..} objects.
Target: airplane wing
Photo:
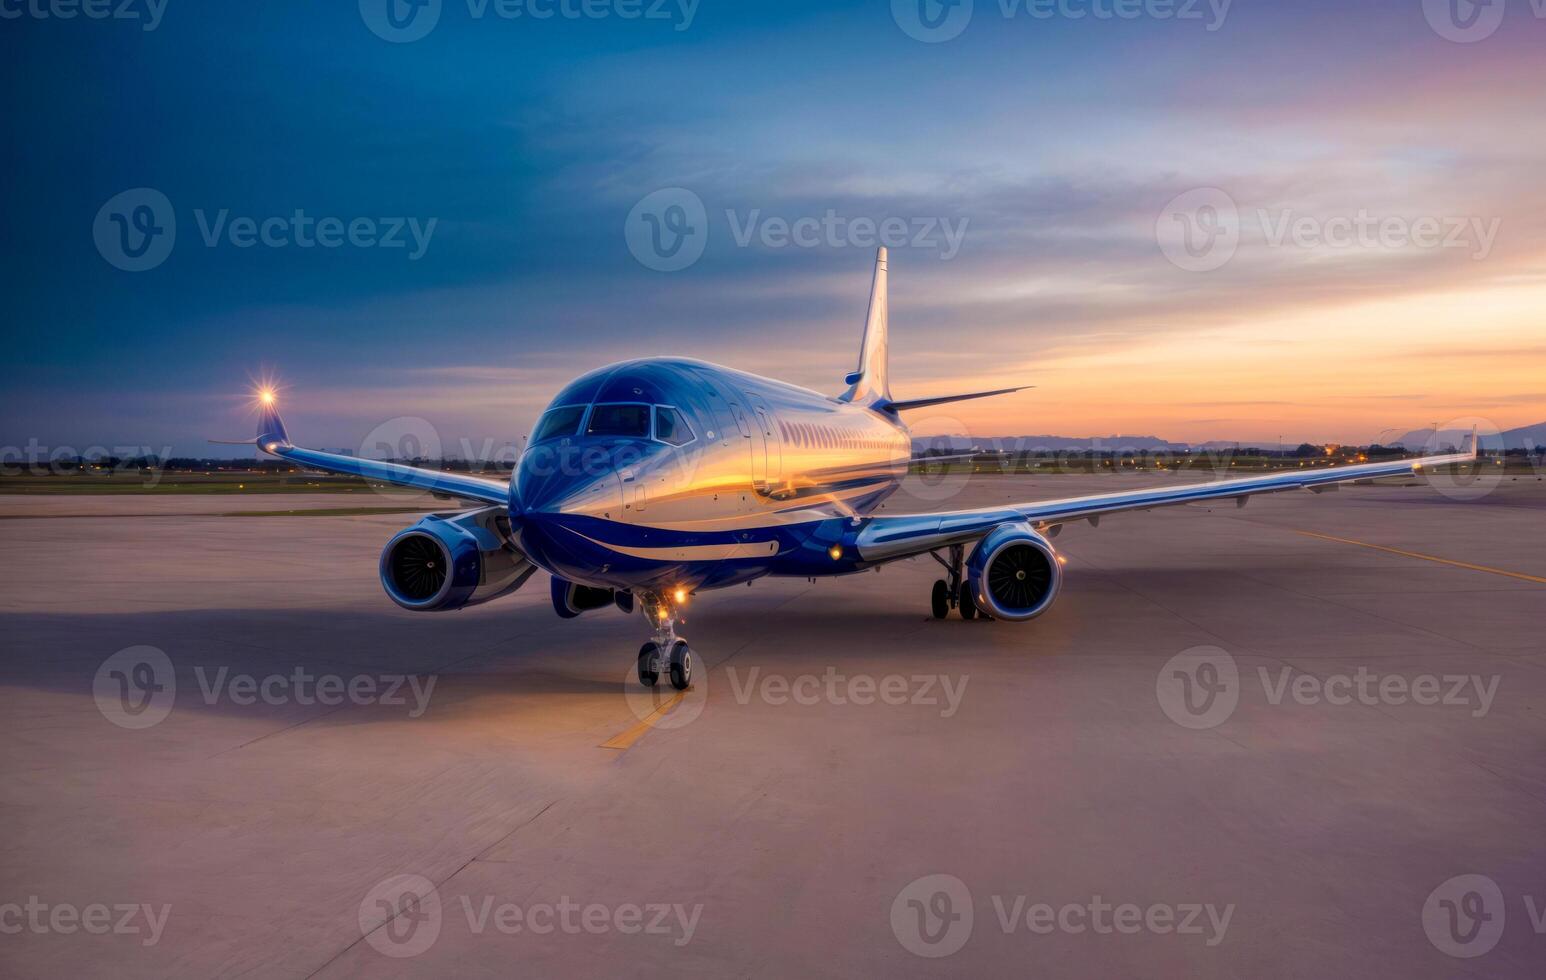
[
  {"x": 273, "y": 439},
  {"x": 888, "y": 537}
]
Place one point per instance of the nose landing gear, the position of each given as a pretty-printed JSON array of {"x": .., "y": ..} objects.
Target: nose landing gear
[{"x": 666, "y": 652}]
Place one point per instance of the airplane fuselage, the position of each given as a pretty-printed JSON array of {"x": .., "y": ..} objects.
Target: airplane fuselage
[{"x": 670, "y": 473}]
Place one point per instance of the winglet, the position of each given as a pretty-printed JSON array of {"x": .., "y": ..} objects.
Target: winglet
[{"x": 271, "y": 428}]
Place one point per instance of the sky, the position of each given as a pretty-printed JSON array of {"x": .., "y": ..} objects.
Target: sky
[{"x": 1252, "y": 220}]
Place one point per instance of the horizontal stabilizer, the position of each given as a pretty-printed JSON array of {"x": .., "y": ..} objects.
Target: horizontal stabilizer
[{"x": 902, "y": 406}]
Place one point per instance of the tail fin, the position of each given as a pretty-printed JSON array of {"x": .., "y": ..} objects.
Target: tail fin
[{"x": 871, "y": 382}]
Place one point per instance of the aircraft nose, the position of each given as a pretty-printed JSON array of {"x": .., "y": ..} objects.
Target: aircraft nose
[{"x": 554, "y": 493}]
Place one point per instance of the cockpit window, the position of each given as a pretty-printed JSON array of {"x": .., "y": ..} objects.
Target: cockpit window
[
  {"x": 671, "y": 427},
  {"x": 619, "y": 420},
  {"x": 559, "y": 422}
]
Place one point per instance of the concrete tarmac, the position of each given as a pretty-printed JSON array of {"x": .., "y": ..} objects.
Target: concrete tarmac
[{"x": 1301, "y": 739}]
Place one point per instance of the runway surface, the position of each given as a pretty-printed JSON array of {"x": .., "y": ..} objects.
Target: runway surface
[{"x": 1265, "y": 742}]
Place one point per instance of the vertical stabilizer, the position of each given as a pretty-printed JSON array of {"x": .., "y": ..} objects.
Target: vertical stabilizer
[{"x": 870, "y": 383}]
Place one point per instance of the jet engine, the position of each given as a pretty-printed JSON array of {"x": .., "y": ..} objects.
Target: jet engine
[
  {"x": 450, "y": 561},
  {"x": 1014, "y": 573}
]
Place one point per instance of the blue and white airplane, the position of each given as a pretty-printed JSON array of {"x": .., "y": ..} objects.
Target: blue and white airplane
[{"x": 648, "y": 481}]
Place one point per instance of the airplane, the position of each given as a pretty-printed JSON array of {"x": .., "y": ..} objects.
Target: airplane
[{"x": 649, "y": 481}]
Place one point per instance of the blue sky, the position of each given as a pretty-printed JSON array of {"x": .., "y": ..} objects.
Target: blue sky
[{"x": 1052, "y": 143}]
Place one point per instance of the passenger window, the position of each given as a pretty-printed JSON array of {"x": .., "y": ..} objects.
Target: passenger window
[
  {"x": 559, "y": 422},
  {"x": 620, "y": 420},
  {"x": 670, "y": 427}
]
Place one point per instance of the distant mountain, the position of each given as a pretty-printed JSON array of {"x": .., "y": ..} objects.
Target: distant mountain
[{"x": 1524, "y": 437}]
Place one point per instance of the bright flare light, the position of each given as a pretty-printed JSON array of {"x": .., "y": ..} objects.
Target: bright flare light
[
  {"x": 266, "y": 396},
  {"x": 680, "y": 595}
]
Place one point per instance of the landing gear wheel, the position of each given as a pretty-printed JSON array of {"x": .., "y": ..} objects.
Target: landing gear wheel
[
  {"x": 681, "y": 665},
  {"x": 968, "y": 607},
  {"x": 940, "y": 599},
  {"x": 649, "y": 670}
]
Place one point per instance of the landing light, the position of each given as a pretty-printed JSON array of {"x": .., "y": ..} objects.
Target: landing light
[
  {"x": 836, "y": 551},
  {"x": 680, "y": 595}
]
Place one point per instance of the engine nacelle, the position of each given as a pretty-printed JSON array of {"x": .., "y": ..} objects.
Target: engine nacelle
[
  {"x": 447, "y": 562},
  {"x": 1014, "y": 573}
]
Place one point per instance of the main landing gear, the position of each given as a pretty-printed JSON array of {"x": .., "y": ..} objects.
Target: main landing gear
[
  {"x": 951, "y": 592},
  {"x": 666, "y": 652}
]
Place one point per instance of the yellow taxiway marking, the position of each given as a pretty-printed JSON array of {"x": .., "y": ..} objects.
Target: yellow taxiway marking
[
  {"x": 1441, "y": 561},
  {"x": 639, "y": 729}
]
